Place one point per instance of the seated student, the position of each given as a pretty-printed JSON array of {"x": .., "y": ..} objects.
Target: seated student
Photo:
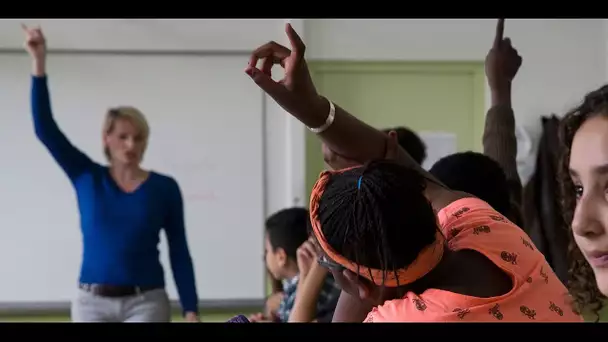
[
  {"x": 313, "y": 283},
  {"x": 465, "y": 263},
  {"x": 286, "y": 231}
]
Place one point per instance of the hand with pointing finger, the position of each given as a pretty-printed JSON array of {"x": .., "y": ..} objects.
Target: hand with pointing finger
[
  {"x": 35, "y": 43},
  {"x": 502, "y": 61},
  {"x": 295, "y": 92}
]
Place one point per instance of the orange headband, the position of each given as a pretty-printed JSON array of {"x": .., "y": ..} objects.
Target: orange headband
[{"x": 428, "y": 258}]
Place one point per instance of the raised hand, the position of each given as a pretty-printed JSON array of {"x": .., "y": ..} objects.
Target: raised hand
[
  {"x": 295, "y": 92},
  {"x": 502, "y": 61},
  {"x": 35, "y": 43}
]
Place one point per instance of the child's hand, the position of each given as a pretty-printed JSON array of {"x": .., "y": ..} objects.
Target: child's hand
[{"x": 307, "y": 255}]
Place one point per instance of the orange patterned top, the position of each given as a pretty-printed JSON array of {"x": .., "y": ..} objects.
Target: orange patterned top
[{"x": 537, "y": 294}]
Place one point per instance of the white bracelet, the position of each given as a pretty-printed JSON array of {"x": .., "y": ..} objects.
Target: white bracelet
[{"x": 328, "y": 121}]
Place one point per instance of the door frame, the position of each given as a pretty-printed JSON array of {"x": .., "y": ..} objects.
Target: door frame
[{"x": 474, "y": 69}]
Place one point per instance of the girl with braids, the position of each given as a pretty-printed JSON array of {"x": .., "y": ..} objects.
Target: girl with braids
[
  {"x": 386, "y": 245},
  {"x": 394, "y": 237},
  {"x": 584, "y": 179}
]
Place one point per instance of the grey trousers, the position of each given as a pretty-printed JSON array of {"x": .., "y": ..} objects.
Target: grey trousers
[{"x": 150, "y": 306}]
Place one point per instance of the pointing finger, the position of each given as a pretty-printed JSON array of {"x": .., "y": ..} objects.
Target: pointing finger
[
  {"x": 500, "y": 30},
  {"x": 297, "y": 45}
]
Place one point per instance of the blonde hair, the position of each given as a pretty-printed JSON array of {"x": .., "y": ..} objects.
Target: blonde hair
[{"x": 131, "y": 114}]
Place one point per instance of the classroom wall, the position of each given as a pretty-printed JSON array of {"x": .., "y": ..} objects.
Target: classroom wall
[{"x": 562, "y": 60}]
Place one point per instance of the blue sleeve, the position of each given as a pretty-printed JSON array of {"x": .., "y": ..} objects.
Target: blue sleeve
[
  {"x": 70, "y": 159},
  {"x": 179, "y": 254}
]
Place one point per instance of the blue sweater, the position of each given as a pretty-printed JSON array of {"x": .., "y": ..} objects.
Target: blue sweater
[{"x": 121, "y": 231}]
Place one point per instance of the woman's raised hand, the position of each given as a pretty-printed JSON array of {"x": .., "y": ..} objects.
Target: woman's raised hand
[{"x": 35, "y": 44}]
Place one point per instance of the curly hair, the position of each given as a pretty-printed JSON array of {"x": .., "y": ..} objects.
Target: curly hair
[{"x": 581, "y": 279}]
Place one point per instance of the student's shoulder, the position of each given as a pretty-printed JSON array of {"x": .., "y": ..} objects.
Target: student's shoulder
[{"x": 472, "y": 214}]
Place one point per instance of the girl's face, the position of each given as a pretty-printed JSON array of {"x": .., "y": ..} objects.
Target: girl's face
[{"x": 589, "y": 173}]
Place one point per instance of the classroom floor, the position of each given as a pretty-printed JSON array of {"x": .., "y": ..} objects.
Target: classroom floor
[
  {"x": 206, "y": 317},
  {"x": 210, "y": 317}
]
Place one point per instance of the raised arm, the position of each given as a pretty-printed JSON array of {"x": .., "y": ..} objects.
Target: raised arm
[
  {"x": 69, "y": 158},
  {"x": 342, "y": 132},
  {"x": 499, "y": 140},
  {"x": 179, "y": 253}
]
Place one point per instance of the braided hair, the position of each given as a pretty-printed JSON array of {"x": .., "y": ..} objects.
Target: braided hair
[
  {"x": 377, "y": 215},
  {"x": 581, "y": 283}
]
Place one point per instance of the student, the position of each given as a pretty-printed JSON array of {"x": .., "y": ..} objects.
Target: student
[
  {"x": 122, "y": 209},
  {"x": 286, "y": 231},
  {"x": 584, "y": 178},
  {"x": 378, "y": 227}
]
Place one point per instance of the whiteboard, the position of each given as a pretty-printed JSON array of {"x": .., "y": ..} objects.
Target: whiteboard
[{"x": 206, "y": 119}]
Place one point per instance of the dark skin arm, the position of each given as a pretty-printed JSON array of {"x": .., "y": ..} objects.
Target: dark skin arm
[{"x": 348, "y": 136}]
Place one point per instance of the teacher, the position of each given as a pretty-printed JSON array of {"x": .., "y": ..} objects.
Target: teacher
[{"x": 122, "y": 210}]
